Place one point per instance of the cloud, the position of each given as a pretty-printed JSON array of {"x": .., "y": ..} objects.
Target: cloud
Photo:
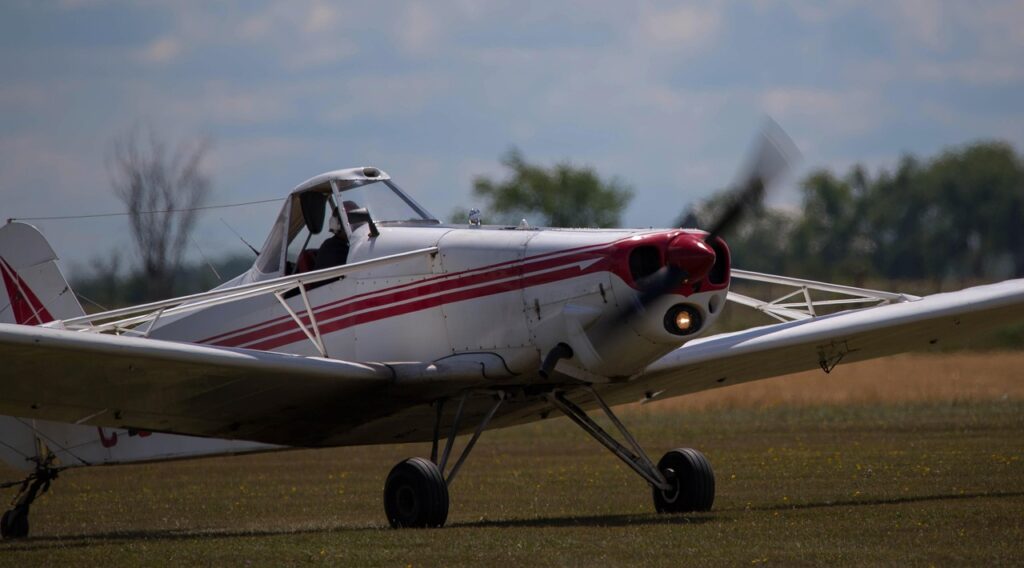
[
  {"x": 161, "y": 50},
  {"x": 419, "y": 29},
  {"x": 682, "y": 28},
  {"x": 384, "y": 97},
  {"x": 253, "y": 151},
  {"x": 31, "y": 96},
  {"x": 649, "y": 90},
  {"x": 79, "y": 4},
  {"x": 947, "y": 42},
  {"x": 816, "y": 12},
  {"x": 976, "y": 71},
  {"x": 294, "y": 35},
  {"x": 321, "y": 17},
  {"x": 214, "y": 103},
  {"x": 834, "y": 111},
  {"x": 922, "y": 21}
]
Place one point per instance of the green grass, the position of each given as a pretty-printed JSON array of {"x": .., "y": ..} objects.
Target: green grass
[{"x": 917, "y": 484}]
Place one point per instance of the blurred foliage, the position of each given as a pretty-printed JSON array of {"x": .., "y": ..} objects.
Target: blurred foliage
[
  {"x": 955, "y": 220},
  {"x": 563, "y": 195}
]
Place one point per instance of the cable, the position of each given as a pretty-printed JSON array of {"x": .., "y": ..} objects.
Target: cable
[
  {"x": 39, "y": 434},
  {"x": 95, "y": 215},
  {"x": 91, "y": 301},
  {"x": 16, "y": 450}
]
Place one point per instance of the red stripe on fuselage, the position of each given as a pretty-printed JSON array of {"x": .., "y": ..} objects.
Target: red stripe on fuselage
[
  {"x": 389, "y": 308},
  {"x": 403, "y": 292}
]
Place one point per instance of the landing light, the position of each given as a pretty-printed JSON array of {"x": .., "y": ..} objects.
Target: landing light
[{"x": 682, "y": 320}]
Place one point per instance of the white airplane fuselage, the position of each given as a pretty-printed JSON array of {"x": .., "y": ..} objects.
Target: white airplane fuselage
[{"x": 513, "y": 293}]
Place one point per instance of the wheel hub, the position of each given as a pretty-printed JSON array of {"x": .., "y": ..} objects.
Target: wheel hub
[
  {"x": 406, "y": 500},
  {"x": 673, "y": 479}
]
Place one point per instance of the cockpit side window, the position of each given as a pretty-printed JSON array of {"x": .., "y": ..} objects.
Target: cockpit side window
[
  {"x": 306, "y": 240},
  {"x": 300, "y": 227},
  {"x": 269, "y": 260}
]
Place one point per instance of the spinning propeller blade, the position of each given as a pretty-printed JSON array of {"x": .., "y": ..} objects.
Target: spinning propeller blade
[
  {"x": 771, "y": 156},
  {"x": 773, "y": 152}
]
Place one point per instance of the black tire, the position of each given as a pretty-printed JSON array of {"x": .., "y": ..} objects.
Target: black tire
[
  {"x": 415, "y": 495},
  {"x": 692, "y": 480},
  {"x": 14, "y": 523}
]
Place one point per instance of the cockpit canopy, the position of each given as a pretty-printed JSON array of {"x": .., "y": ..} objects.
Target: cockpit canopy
[{"x": 358, "y": 198}]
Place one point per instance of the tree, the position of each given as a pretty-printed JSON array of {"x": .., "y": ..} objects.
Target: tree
[
  {"x": 562, "y": 196},
  {"x": 959, "y": 217},
  {"x": 832, "y": 237},
  {"x": 161, "y": 191}
]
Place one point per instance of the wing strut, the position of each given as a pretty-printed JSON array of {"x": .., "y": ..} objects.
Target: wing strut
[
  {"x": 127, "y": 320},
  {"x": 798, "y": 303}
]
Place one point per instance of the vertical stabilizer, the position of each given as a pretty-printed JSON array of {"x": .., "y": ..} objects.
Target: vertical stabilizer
[{"x": 33, "y": 290}]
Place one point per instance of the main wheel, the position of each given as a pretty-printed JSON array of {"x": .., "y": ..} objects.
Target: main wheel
[
  {"x": 415, "y": 495},
  {"x": 692, "y": 480},
  {"x": 14, "y": 523}
]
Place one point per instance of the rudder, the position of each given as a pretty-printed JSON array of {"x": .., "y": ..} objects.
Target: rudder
[{"x": 34, "y": 289}]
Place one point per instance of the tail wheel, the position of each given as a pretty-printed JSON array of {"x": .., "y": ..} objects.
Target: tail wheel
[
  {"x": 416, "y": 495},
  {"x": 692, "y": 480},
  {"x": 14, "y": 523}
]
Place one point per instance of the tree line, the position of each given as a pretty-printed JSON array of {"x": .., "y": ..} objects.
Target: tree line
[{"x": 957, "y": 217}]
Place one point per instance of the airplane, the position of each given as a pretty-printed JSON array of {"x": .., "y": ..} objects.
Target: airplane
[{"x": 365, "y": 320}]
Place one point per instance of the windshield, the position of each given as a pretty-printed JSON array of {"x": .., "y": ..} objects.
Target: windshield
[{"x": 385, "y": 203}]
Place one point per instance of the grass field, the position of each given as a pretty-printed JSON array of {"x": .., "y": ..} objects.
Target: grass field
[{"x": 918, "y": 460}]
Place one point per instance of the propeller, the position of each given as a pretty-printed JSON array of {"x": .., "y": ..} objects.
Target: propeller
[{"x": 771, "y": 155}]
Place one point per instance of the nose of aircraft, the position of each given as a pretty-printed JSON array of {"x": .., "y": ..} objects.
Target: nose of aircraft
[{"x": 690, "y": 253}]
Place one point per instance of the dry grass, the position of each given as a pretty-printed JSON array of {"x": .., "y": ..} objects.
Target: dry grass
[
  {"x": 958, "y": 377},
  {"x": 804, "y": 481}
]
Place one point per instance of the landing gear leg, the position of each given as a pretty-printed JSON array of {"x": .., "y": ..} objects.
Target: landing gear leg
[
  {"x": 416, "y": 491},
  {"x": 14, "y": 522},
  {"x": 683, "y": 480}
]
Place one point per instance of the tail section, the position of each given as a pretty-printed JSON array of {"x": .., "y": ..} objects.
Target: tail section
[
  {"x": 34, "y": 290},
  {"x": 24, "y": 443}
]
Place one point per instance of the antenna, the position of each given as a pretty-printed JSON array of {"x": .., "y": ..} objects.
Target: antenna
[
  {"x": 252, "y": 248},
  {"x": 208, "y": 263}
]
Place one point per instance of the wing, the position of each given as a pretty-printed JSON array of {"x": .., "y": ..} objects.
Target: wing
[
  {"x": 162, "y": 386},
  {"x": 824, "y": 341},
  {"x": 147, "y": 384}
]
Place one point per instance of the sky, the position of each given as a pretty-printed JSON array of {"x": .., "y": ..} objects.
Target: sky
[{"x": 665, "y": 96}]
